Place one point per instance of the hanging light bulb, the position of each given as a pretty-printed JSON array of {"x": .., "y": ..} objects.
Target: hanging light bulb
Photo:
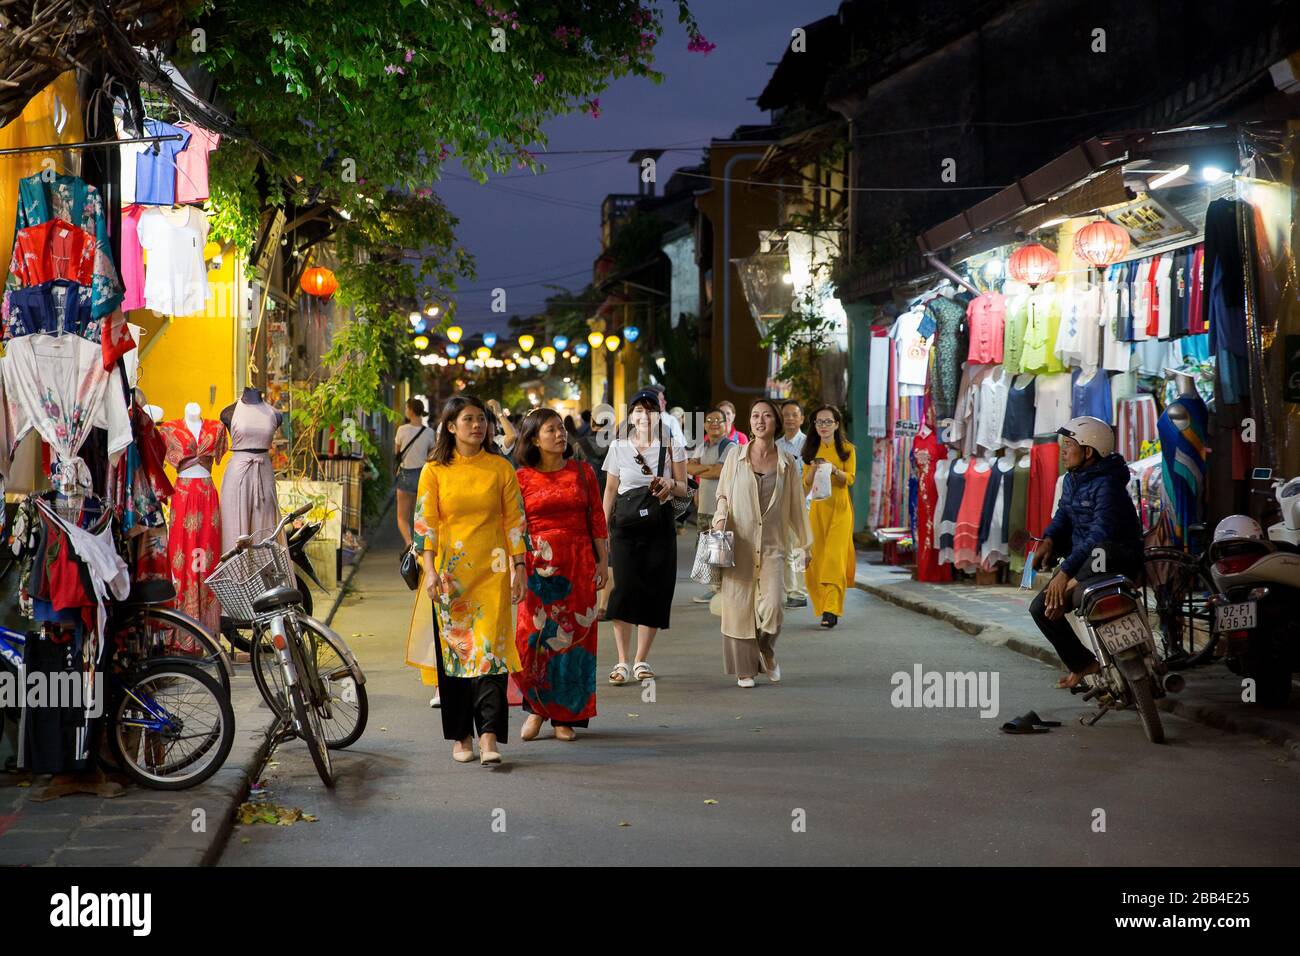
[
  {"x": 490, "y": 339},
  {"x": 526, "y": 342},
  {"x": 483, "y": 352},
  {"x": 415, "y": 318},
  {"x": 421, "y": 342},
  {"x": 510, "y": 366},
  {"x": 432, "y": 311},
  {"x": 548, "y": 355},
  {"x": 454, "y": 333},
  {"x": 595, "y": 339},
  {"x": 453, "y": 350},
  {"x": 574, "y": 359},
  {"x": 631, "y": 333},
  {"x": 581, "y": 349},
  {"x": 612, "y": 343},
  {"x": 561, "y": 343}
]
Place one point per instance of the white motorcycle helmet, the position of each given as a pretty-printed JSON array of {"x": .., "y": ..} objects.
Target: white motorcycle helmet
[
  {"x": 1090, "y": 433},
  {"x": 1237, "y": 528}
]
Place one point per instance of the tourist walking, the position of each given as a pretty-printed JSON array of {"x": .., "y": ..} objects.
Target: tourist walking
[
  {"x": 413, "y": 443},
  {"x": 473, "y": 571},
  {"x": 791, "y": 440},
  {"x": 705, "y": 465},
  {"x": 832, "y": 564},
  {"x": 567, "y": 561},
  {"x": 645, "y": 468},
  {"x": 760, "y": 500}
]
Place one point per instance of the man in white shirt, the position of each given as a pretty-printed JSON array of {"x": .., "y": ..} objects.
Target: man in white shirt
[
  {"x": 705, "y": 465},
  {"x": 791, "y": 440}
]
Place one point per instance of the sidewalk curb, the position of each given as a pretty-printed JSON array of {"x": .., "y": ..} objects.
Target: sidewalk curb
[
  {"x": 233, "y": 783},
  {"x": 1220, "y": 718}
]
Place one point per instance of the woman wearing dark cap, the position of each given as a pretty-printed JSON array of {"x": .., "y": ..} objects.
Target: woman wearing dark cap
[
  {"x": 567, "y": 562},
  {"x": 644, "y": 461}
]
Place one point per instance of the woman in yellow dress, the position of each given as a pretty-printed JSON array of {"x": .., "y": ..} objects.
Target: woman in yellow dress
[
  {"x": 832, "y": 564},
  {"x": 473, "y": 572}
]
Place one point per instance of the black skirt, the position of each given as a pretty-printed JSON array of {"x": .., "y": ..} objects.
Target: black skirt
[{"x": 645, "y": 573}]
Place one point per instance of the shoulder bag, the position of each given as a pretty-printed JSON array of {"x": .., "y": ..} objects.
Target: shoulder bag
[
  {"x": 397, "y": 465},
  {"x": 410, "y": 567}
]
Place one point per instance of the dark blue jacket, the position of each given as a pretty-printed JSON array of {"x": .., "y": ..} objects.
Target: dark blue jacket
[{"x": 1095, "y": 507}]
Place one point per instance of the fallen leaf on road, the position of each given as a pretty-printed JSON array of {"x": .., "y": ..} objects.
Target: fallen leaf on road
[
  {"x": 711, "y": 802},
  {"x": 634, "y": 715},
  {"x": 25, "y": 783},
  {"x": 245, "y": 840},
  {"x": 385, "y": 729},
  {"x": 740, "y": 716},
  {"x": 624, "y": 823},
  {"x": 270, "y": 813}
]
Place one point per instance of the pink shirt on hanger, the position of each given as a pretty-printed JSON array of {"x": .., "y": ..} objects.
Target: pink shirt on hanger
[
  {"x": 132, "y": 259},
  {"x": 192, "y": 164},
  {"x": 986, "y": 316}
]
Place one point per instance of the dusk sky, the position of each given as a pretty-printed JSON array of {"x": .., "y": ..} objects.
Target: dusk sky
[{"x": 527, "y": 230}]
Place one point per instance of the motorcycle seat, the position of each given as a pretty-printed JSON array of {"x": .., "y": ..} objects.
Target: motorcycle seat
[
  {"x": 1096, "y": 586},
  {"x": 276, "y": 599}
]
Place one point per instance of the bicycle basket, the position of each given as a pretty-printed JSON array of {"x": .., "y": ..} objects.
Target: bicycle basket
[{"x": 240, "y": 580}]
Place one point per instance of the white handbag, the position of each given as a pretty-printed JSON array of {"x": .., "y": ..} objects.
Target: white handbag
[
  {"x": 701, "y": 570},
  {"x": 821, "y": 483}
]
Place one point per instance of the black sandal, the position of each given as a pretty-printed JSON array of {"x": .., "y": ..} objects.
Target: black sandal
[{"x": 1022, "y": 725}]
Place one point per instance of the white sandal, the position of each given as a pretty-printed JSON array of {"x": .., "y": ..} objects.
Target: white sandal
[
  {"x": 619, "y": 674},
  {"x": 643, "y": 671}
]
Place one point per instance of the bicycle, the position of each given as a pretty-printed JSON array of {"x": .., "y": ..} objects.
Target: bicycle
[
  {"x": 254, "y": 582},
  {"x": 1176, "y": 595}
]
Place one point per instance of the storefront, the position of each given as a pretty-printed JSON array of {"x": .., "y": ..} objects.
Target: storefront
[{"x": 1145, "y": 280}]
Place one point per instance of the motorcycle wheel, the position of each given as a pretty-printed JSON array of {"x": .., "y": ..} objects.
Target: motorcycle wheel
[{"x": 1145, "y": 702}]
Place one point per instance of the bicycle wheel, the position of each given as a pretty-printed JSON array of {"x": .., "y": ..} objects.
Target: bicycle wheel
[
  {"x": 169, "y": 634},
  {"x": 306, "y": 715},
  {"x": 172, "y": 726},
  {"x": 342, "y": 701},
  {"x": 1176, "y": 592}
]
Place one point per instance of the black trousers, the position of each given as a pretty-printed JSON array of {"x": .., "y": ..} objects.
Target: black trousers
[
  {"x": 1118, "y": 559},
  {"x": 472, "y": 706}
]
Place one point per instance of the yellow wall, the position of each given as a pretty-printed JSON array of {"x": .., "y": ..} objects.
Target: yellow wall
[{"x": 184, "y": 358}]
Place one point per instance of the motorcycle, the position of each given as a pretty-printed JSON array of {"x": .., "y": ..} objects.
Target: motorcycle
[
  {"x": 1110, "y": 621},
  {"x": 235, "y": 631},
  {"x": 1258, "y": 584}
]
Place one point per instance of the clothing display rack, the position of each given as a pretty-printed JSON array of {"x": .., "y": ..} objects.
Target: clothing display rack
[{"x": 89, "y": 144}]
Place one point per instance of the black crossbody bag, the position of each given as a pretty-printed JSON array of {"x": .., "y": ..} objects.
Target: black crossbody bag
[
  {"x": 638, "y": 509},
  {"x": 397, "y": 465}
]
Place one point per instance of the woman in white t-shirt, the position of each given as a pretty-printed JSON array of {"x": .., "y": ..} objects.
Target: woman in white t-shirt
[
  {"x": 413, "y": 443},
  {"x": 643, "y": 550}
]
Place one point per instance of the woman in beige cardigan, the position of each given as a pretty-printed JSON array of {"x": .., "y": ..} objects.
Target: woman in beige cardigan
[{"x": 760, "y": 500}]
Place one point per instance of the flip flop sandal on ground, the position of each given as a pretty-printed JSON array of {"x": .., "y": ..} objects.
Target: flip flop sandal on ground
[
  {"x": 1037, "y": 721},
  {"x": 1022, "y": 725},
  {"x": 619, "y": 674}
]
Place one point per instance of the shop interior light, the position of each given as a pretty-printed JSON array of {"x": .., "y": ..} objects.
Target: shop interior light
[
  {"x": 1212, "y": 174},
  {"x": 561, "y": 343},
  {"x": 490, "y": 339},
  {"x": 454, "y": 333},
  {"x": 787, "y": 278},
  {"x": 1164, "y": 179},
  {"x": 1051, "y": 223},
  {"x": 453, "y": 350},
  {"x": 526, "y": 342},
  {"x": 483, "y": 352},
  {"x": 631, "y": 333},
  {"x": 581, "y": 349},
  {"x": 993, "y": 268},
  {"x": 595, "y": 339},
  {"x": 612, "y": 343},
  {"x": 421, "y": 342}
]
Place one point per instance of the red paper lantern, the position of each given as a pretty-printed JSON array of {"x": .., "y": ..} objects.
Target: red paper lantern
[
  {"x": 1033, "y": 264},
  {"x": 1100, "y": 243},
  {"x": 319, "y": 281}
]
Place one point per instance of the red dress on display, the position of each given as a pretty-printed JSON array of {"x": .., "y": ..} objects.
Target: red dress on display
[
  {"x": 927, "y": 450},
  {"x": 555, "y": 631},
  {"x": 194, "y": 537},
  {"x": 966, "y": 536}
]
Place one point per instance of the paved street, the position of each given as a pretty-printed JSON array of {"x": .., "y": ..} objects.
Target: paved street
[{"x": 876, "y": 784}]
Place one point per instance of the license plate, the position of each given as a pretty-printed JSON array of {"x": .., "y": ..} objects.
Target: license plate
[
  {"x": 1236, "y": 617},
  {"x": 1128, "y": 631}
]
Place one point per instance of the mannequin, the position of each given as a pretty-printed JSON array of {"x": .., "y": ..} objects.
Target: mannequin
[
  {"x": 194, "y": 445},
  {"x": 248, "y": 500}
]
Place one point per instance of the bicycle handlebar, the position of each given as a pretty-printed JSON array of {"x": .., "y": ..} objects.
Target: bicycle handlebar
[{"x": 245, "y": 541}]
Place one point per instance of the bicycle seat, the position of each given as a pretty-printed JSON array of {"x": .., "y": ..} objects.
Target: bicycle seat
[
  {"x": 276, "y": 599},
  {"x": 154, "y": 591}
]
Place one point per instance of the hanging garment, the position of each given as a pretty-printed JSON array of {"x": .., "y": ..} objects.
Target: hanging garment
[
  {"x": 1044, "y": 323},
  {"x": 955, "y": 492},
  {"x": 965, "y": 538},
  {"x": 1017, "y": 536},
  {"x": 1018, "y": 420},
  {"x": 58, "y": 386},
  {"x": 194, "y": 540},
  {"x": 1052, "y": 393},
  {"x": 994, "y": 541},
  {"x": 132, "y": 259},
  {"x": 1142, "y": 296},
  {"x": 994, "y": 388},
  {"x": 1090, "y": 395},
  {"x": 1180, "y": 291},
  {"x": 1090, "y": 305},
  {"x": 59, "y": 305},
  {"x": 248, "y": 500},
  {"x": 70, "y": 199},
  {"x": 928, "y": 453},
  {"x": 52, "y": 250},
  {"x": 192, "y": 163},
  {"x": 1044, "y": 466},
  {"x": 1116, "y": 353},
  {"x": 964, "y": 414},
  {"x": 1182, "y": 428},
  {"x": 1014, "y": 323},
  {"x": 1070, "y": 333},
  {"x": 945, "y": 320},
  {"x": 176, "y": 279},
  {"x": 878, "y": 386},
  {"x": 986, "y": 318},
  {"x": 1137, "y": 424},
  {"x": 155, "y": 169},
  {"x": 140, "y": 484},
  {"x": 912, "y": 357},
  {"x": 1196, "y": 316}
]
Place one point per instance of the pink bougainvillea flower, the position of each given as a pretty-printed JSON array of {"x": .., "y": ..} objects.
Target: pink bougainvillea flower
[
  {"x": 698, "y": 44},
  {"x": 538, "y": 79},
  {"x": 410, "y": 55}
]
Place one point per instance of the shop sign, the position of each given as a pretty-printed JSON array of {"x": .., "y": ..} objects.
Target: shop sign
[
  {"x": 906, "y": 429},
  {"x": 1148, "y": 222}
]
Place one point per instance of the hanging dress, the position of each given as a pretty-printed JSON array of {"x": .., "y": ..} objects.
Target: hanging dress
[
  {"x": 928, "y": 453},
  {"x": 954, "y": 492},
  {"x": 248, "y": 500},
  {"x": 194, "y": 540},
  {"x": 965, "y": 538}
]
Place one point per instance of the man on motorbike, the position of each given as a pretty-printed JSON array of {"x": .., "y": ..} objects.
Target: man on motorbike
[{"x": 1095, "y": 526}]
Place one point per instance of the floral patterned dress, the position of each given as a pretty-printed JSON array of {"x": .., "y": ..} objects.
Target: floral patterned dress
[
  {"x": 473, "y": 508},
  {"x": 555, "y": 633},
  {"x": 194, "y": 536}
]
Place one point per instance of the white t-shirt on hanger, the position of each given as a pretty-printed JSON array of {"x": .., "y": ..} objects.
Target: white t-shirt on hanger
[
  {"x": 913, "y": 349},
  {"x": 176, "y": 277}
]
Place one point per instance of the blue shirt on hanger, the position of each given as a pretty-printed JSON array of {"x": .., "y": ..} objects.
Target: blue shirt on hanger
[
  {"x": 155, "y": 169},
  {"x": 1091, "y": 397}
]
